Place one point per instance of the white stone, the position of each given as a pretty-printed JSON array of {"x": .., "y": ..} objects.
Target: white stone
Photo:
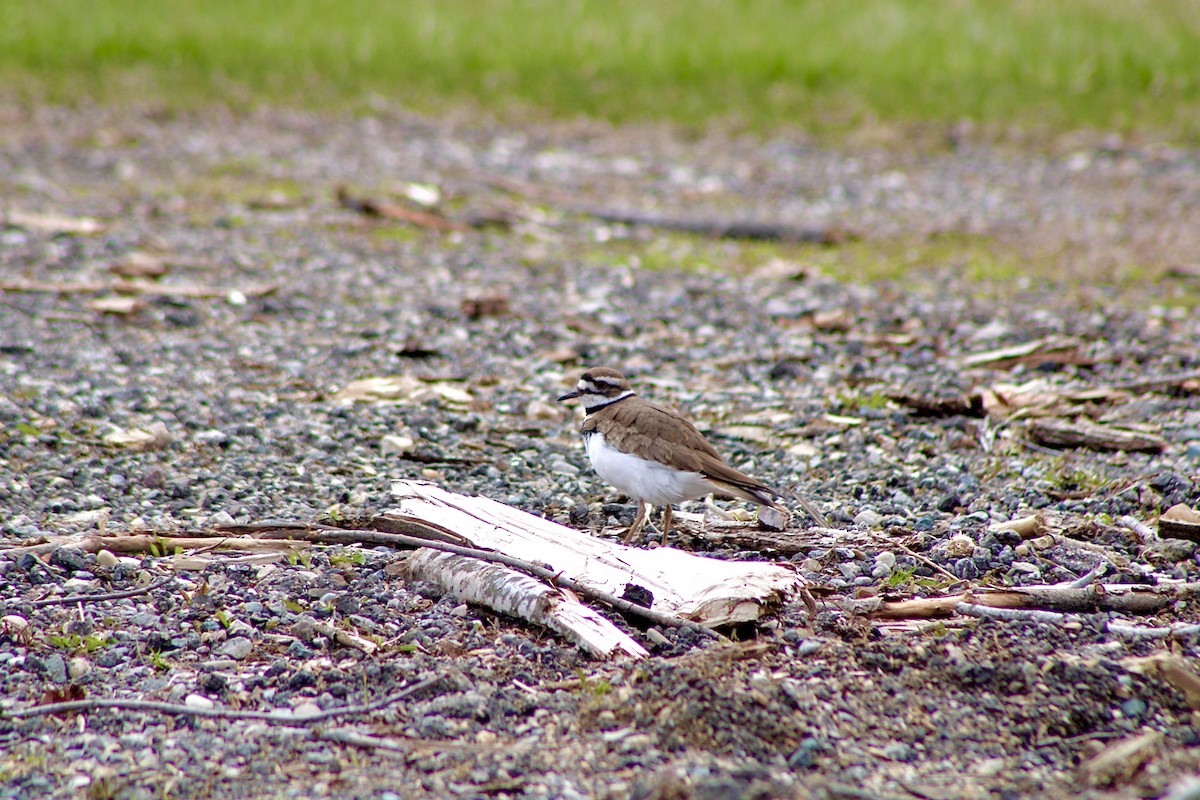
[{"x": 197, "y": 701}]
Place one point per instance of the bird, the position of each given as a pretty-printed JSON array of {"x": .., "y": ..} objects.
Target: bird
[{"x": 653, "y": 453}]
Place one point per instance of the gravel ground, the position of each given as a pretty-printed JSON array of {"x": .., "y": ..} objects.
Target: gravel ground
[{"x": 177, "y": 412}]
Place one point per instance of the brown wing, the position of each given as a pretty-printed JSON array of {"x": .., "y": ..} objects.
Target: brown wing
[{"x": 662, "y": 434}]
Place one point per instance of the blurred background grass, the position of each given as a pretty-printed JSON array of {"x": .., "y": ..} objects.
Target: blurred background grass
[{"x": 1130, "y": 66}]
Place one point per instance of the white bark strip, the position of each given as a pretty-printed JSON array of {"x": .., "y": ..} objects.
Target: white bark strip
[
  {"x": 518, "y": 595},
  {"x": 687, "y": 585}
]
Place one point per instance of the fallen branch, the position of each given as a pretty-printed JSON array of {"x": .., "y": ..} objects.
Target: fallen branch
[
  {"x": 684, "y": 584},
  {"x": 153, "y": 543},
  {"x": 180, "y": 710},
  {"x": 1126, "y": 598},
  {"x": 989, "y": 612},
  {"x": 284, "y": 536},
  {"x": 1138, "y": 632},
  {"x": 518, "y": 595}
]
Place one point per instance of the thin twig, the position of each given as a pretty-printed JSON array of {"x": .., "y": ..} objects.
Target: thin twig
[
  {"x": 95, "y": 598},
  {"x": 174, "y": 709},
  {"x": 1028, "y": 614},
  {"x": 936, "y": 567},
  {"x": 343, "y": 736},
  {"x": 1138, "y": 632}
]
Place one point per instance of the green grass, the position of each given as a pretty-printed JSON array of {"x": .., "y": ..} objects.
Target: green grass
[{"x": 1036, "y": 65}]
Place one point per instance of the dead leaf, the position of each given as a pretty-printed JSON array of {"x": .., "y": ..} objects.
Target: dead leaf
[
  {"x": 1171, "y": 668},
  {"x": 64, "y": 695}
]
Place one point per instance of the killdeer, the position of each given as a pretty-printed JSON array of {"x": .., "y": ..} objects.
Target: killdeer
[{"x": 653, "y": 453}]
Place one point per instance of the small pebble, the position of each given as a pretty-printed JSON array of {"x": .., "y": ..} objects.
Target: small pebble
[
  {"x": 238, "y": 647},
  {"x": 197, "y": 701},
  {"x": 868, "y": 518},
  {"x": 960, "y": 546},
  {"x": 396, "y": 444}
]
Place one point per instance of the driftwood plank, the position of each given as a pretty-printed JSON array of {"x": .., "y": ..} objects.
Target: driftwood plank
[{"x": 687, "y": 585}]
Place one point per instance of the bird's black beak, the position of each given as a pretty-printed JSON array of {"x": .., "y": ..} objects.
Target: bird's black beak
[{"x": 570, "y": 395}]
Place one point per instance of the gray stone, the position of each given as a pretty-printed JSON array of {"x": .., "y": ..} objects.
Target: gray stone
[
  {"x": 55, "y": 668},
  {"x": 238, "y": 647}
]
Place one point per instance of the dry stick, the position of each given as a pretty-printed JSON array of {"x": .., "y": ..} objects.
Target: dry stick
[
  {"x": 1138, "y": 632},
  {"x": 324, "y": 534},
  {"x": 94, "y": 598},
  {"x": 1035, "y": 615},
  {"x": 174, "y": 709},
  {"x": 343, "y": 736},
  {"x": 141, "y": 543},
  {"x": 134, "y": 287},
  {"x": 926, "y": 561}
]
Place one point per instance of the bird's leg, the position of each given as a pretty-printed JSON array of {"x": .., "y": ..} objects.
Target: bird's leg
[
  {"x": 639, "y": 521},
  {"x": 666, "y": 523}
]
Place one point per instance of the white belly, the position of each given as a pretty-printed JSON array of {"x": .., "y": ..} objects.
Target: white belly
[{"x": 645, "y": 480}]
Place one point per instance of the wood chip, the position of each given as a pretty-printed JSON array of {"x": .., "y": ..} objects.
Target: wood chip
[{"x": 1180, "y": 521}]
